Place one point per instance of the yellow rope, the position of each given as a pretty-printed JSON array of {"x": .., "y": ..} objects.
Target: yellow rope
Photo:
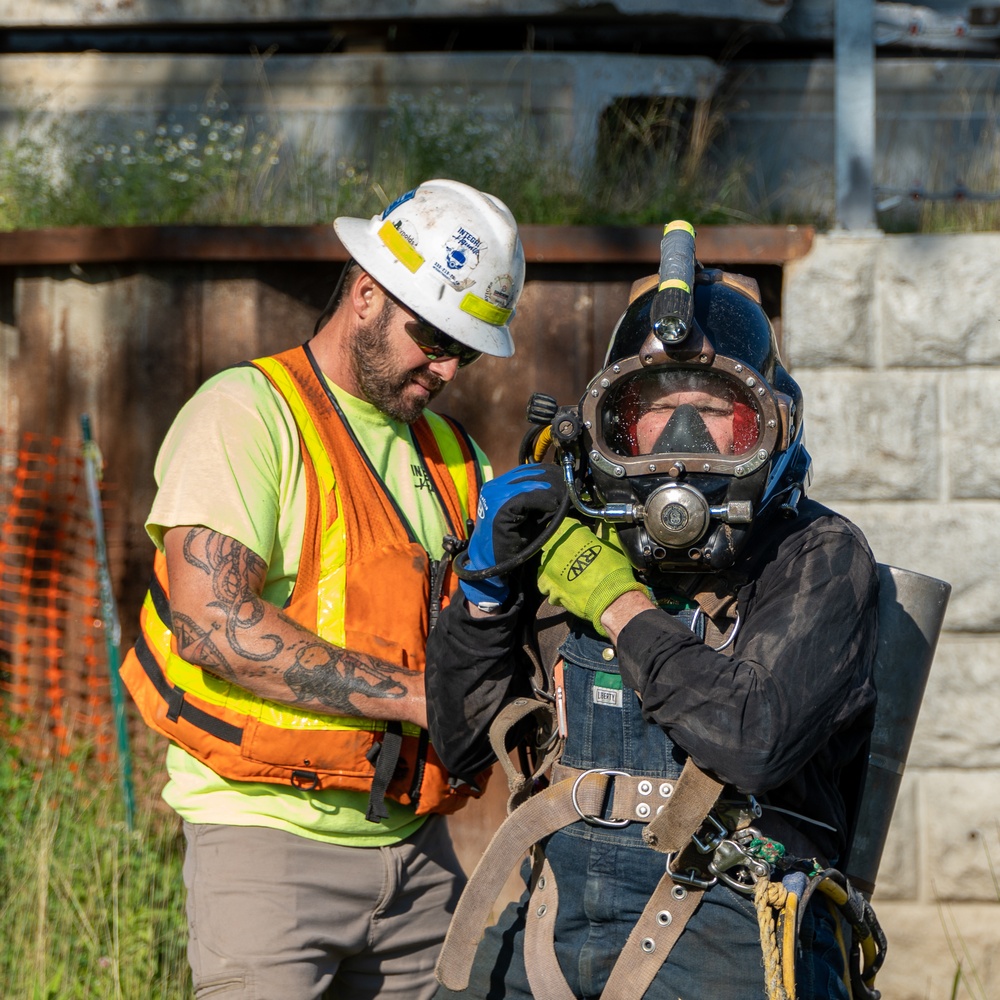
[{"x": 770, "y": 899}]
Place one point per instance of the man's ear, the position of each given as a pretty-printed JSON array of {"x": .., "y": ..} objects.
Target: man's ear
[{"x": 363, "y": 294}]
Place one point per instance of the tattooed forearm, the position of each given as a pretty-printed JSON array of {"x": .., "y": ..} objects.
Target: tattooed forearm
[
  {"x": 331, "y": 678},
  {"x": 221, "y": 622},
  {"x": 232, "y": 569},
  {"x": 198, "y": 645}
]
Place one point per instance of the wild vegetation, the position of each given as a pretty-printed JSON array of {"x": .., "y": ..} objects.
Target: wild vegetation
[
  {"x": 91, "y": 910},
  {"x": 214, "y": 166}
]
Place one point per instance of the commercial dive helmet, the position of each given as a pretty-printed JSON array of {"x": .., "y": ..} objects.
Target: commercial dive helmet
[
  {"x": 451, "y": 254},
  {"x": 694, "y": 428}
]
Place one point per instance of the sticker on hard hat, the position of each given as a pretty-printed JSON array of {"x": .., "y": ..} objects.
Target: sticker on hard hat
[
  {"x": 486, "y": 311},
  {"x": 462, "y": 250},
  {"x": 499, "y": 290},
  {"x": 398, "y": 245},
  {"x": 401, "y": 200}
]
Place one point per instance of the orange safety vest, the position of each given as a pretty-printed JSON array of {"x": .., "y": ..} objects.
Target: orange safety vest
[{"x": 372, "y": 595}]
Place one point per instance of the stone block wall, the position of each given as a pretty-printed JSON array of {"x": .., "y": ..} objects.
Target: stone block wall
[{"x": 896, "y": 343}]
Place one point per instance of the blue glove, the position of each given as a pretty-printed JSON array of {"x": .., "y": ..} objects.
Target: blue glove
[{"x": 513, "y": 510}]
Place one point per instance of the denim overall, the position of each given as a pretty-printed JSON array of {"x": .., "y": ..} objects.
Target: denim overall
[{"x": 605, "y": 875}]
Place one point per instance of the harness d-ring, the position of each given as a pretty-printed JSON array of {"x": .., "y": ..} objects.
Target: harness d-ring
[
  {"x": 596, "y": 820},
  {"x": 732, "y": 635}
]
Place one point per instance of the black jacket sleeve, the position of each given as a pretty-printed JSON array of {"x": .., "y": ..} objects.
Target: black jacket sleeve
[
  {"x": 473, "y": 666},
  {"x": 796, "y": 685}
]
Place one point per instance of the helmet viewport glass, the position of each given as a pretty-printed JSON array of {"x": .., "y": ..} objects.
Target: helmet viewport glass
[{"x": 680, "y": 412}]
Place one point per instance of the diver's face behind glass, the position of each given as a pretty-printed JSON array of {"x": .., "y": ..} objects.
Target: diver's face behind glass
[
  {"x": 687, "y": 418},
  {"x": 680, "y": 413}
]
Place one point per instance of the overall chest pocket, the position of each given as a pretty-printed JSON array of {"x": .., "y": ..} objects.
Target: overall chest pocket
[{"x": 605, "y": 727}]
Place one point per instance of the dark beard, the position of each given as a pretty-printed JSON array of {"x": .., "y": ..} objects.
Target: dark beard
[{"x": 379, "y": 383}]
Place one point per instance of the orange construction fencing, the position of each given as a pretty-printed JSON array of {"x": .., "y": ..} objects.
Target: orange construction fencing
[{"x": 53, "y": 661}]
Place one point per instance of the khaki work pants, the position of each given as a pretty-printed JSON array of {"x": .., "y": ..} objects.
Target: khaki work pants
[{"x": 273, "y": 916}]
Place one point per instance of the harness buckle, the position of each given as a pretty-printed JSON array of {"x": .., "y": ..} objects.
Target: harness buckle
[{"x": 597, "y": 820}]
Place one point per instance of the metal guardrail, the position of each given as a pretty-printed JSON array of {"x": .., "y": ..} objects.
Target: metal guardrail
[{"x": 542, "y": 244}]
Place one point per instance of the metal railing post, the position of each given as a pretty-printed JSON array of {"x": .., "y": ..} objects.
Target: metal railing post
[{"x": 854, "y": 114}]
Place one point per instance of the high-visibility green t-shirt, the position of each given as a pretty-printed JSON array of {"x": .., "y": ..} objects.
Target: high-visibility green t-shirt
[{"x": 231, "y": 462}]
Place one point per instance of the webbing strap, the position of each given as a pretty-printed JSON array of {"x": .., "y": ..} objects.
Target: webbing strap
[
  {"x": 542, "y": 814},
  {"x": 513, "y": 712},
  {"x": 656, "y": 931},
  {"x": 540, "y": 963},
  {"x": 693, "y": 798},
  {"x": 720, "y": 611},
  {"x": 649, "y": 943},
  {"x": 178, "y": 706},
  {"x": 385, "y": 767}
]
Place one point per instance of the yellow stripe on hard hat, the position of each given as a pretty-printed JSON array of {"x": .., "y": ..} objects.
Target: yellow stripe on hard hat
[
  {"x": 675, "y": 283},
  {"x": 486, "y": 311},
  {"x": 399, "y": 247}
]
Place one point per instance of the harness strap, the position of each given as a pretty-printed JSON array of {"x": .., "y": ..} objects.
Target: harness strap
[
  {"x": 655, "y": 933},
  {"x": 574, "y": 794},
  {"x": 540, "y": 963},
  {"x": 521, "y": 785},
  {"x": 720, "y": 614},
  {"x": 544, "y": 813},
  {"x": 691, "y": 802},
  {"x": 657, "y": 930},
  {"x": 645, "y": 799}
]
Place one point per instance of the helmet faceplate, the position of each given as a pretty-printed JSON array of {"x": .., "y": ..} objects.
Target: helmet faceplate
[{"x": 692, "y": 431}]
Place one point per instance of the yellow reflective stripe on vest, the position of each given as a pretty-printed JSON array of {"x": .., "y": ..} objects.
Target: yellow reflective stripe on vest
[
  {"x": 330, "y": 594},
  {"x": 290, "y": 391},
  {"x": 451, "y": 452}
]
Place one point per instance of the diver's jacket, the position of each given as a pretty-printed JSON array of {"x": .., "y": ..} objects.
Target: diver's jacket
[
  {"x": 365, "y": 585},
  {"x": 731, "y": 754},
  {"x": 782, "y": 713}
]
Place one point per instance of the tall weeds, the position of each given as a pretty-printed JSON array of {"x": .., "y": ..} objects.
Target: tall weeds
[
  {"x": 214, "y": 166},
  {"x": 89, "y": 910}
]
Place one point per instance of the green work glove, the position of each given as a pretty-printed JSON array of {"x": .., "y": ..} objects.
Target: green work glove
[{"x": 585, "y": 573}]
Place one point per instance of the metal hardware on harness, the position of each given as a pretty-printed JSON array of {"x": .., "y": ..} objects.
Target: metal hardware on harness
[
  {"x": 699, "y": 614},
  {"x": 691, "y": 877},
  {"x": 596, "y": 820},
  {"x": 711, "y": 842},
  {"x": 732, "y": 855},
  {"x": 732, "y": 635}
]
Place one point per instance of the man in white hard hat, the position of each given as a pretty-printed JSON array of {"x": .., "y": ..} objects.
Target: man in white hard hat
[{"x": 303, "y": 502}]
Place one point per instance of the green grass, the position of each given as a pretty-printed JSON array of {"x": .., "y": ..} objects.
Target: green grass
[
  {"x": 216, "y": 167},
  {"x": 90, "y": 911}
]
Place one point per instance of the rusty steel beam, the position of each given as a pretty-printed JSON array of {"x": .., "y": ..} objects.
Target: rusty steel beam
[{"x": 542, "y": 244}]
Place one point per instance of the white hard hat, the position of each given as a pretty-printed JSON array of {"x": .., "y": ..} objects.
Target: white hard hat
[{"x": 449, "y": 253}]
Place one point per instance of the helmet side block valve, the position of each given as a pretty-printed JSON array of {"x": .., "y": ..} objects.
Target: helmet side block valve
[{"x": 566, "y": 425}]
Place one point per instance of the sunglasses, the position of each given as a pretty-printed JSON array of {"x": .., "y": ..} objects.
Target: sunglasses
[{"x": 435, "y": 343}]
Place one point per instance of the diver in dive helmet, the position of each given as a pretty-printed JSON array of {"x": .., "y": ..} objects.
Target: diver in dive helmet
[{"x": 695, "y": 438}]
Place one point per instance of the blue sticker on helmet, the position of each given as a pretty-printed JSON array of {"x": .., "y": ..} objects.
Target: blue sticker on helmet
[{"x": 399, "y": 201}]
